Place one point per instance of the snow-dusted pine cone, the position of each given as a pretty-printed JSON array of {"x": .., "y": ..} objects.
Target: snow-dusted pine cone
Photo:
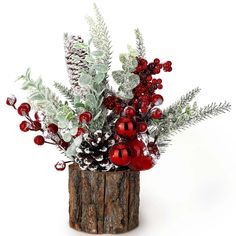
[
  {"x": 75, "y": 61},
  {"x": 93, "y": 153}
]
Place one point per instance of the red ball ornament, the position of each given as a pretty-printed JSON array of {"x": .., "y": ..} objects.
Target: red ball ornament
[
  {"x": 126, "y": 127},
  {"x": 157, "y": 99},
  {"x": 157, "y": 114},
  {"x": 52, "y": 128},
  {"x": 60, "y": 165},
  {"x": 24, "y": 109},
  {"x": 80, "y": 131},
  {"x": 136, "y": 146},
  {"x": 130, "y": 112},
  {"x": 25, "y": 126},
  {"x": 120, "y": 154},
  {"x": 85, "y": 117},
  {"x": 142, "y": 127},
  {"x": 139, "y": 163},
  {"x": 39, "y": 140}
]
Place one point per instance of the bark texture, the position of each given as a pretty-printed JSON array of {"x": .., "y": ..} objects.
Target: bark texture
[{"x": 103, "y": 202}]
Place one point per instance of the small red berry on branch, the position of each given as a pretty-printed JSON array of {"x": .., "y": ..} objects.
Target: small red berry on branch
[
  {"x": 60, "y": 165},
  {"x": 130, "y": 112},
  {"x": 85, "y": 117},
  {"x": 52, "y": 128},
  {"x": 80, "y": 131},
  {"x": 25, "y": 126},
  {"x": 11, "y": 101},
  {"x": 39, "y": 140},
  {"x": 142, "y": 127},
  {"x": 157, "y": 114},
  {"x": 24, "y": 109}
]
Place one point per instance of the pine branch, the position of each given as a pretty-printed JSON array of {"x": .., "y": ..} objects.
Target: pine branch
[
  {"x": 140, "y": 43},
  {"x": 100, "y": 36},
  {"x": 66, "y": 92},
  {"x": 184, "y": 120},
  {"x": 183, "y": 101}
]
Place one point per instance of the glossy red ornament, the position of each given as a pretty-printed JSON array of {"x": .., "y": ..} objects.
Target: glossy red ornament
[
  {"x": 24, "y": 109},
  {"x": 130, "y": 112},
  {"x": 140, "y": 163},
  {"x": 85, "y": 117},
  {"x": 136, "y": 146},
  {"x": 142, "y": 127},
  {"x": 80, "y": 131},
  {"x": 39, "y": 140},
  {"x": 126, "y": 127},
  {"x": 60, "y": 165},
  {"x": 120, "y": 154},
  {"x": 52, "y": 128},
  {"x": 157, "y": 99},
  {"x": 25, "y": 126},
  {"x": 157, "y": 114}
]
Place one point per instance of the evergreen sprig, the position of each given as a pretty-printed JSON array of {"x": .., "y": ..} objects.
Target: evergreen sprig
[
  {"x": 183, "y": 101},
  {"x": 100, "y": 36},
  {"x": 66, "y": 92},
  {"x": 140, "y": 43},
  {"x": 174, "y": 123}
]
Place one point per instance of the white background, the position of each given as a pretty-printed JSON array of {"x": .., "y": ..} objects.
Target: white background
[{"x": 192, "y": 189}]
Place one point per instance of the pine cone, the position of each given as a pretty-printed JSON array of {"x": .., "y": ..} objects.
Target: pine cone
[
  {"x": 75, "y": 61},
  {"x": 93, "y": 153}
]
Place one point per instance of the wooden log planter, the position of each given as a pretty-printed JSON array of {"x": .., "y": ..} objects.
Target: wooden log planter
[{"x": 103, "y": 202}]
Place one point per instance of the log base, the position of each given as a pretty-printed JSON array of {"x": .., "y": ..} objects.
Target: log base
[{"x": 103, "y": 202}]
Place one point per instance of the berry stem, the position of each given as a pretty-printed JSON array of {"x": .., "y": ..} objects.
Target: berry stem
[{"x": 50, "y": 143}]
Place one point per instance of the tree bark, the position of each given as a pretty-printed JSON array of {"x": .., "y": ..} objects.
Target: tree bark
[{"x": 103, "y": 202}]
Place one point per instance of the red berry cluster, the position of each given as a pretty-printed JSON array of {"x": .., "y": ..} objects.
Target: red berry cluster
[{"x": 114, "y": 103}]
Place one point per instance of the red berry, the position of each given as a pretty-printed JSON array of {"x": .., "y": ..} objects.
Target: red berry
[
  {"x": 157, "y": 114},
  {"x": 85, "y": 117},
  {"x": 24, "y": 109},
  {"x": 159, "y": 81},
  {"x": 154, "y": 81},
  {"x": 63, "y": 144},
  {"x": 130, "y": 112},
  {"x": 60, "y": 165},
  {"x": 120, "y": 154},
  {"x": 149, "y": 78},
  {"x": 159, "y": 66},
  {"x": 156, "y": 71},
  {"x": 138, "y": 69},
  {"x": 80, "y": 131},
  {"x": 157, "y": 99},
  {"x": 11, "y": 101},
  {"x": 25, "y": 126},
  {"x": 39, "y": 140},
  {"x": 36, "y": 125},
  {"x": 159, "y": 86},
  {"x": 142, "y": 127},
  {"x": 156, "y": 61},
  {"x": 52, "y": 128},
  {"x": 143, "y": 109},
  {"x": 169, "y": 63}
]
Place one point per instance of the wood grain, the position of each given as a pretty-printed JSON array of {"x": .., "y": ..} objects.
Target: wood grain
[{"x": 103, "y": 202}]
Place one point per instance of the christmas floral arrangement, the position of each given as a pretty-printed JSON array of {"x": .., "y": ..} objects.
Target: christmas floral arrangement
[{"x": 101, "y": 128}]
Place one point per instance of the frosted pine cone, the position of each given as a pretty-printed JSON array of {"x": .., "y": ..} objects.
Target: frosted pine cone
[{"x": 93, "y": 153}]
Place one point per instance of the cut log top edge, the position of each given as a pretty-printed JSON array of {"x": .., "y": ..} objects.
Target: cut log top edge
[{"x": 76, "y": 167}]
